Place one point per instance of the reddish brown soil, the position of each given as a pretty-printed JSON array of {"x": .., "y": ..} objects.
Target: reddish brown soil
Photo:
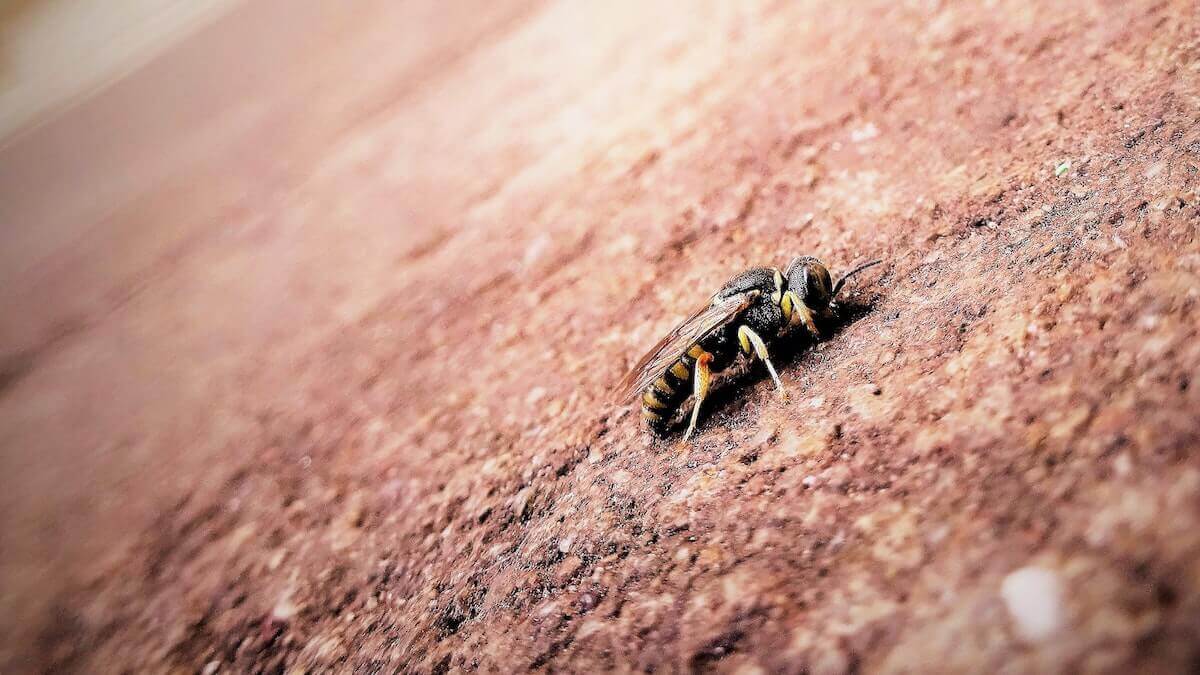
[{"x": 311, "y": 325}]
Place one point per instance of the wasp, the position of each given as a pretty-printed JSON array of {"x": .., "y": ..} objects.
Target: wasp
[{"x": 751, "y": 311}]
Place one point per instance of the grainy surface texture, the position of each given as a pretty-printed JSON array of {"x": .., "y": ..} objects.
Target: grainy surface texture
[{"x": 311, "y": 324}]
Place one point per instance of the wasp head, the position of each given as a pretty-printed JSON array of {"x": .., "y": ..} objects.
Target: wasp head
[
  {"x": 809, "y": 284},
  {"x": 808, "y": 278}
]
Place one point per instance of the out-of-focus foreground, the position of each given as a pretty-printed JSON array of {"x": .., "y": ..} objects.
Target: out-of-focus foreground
[{"x": 311, "y": 324}]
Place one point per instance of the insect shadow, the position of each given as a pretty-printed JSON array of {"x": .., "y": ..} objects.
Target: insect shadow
[{"x": 728, "y": 401}]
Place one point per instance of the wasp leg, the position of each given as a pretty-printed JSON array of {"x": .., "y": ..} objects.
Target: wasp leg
[
  {"x": 802, "y": 313},
  {"x": 829, "y": 312},
  {"x": 700, "y": 390},
  {"x": 750, "y": 340}
]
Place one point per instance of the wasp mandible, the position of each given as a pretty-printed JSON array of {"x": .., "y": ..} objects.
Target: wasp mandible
[{"x": 751, "y": 311}]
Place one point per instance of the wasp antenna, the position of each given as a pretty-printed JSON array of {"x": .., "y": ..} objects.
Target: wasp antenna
[{"x": 838, "y": 286}]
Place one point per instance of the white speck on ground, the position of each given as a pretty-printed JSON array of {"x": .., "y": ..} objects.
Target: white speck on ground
[
  {"x": 284, "y": 609},
  {"x": 1033, "y": 596},
  {"x": 864, "y": 133}
]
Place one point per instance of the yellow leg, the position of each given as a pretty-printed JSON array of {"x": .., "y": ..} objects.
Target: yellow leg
[
  {"x": 750, "y": 340},
  {"x": 702, "y": 376},
  {"x": 788, "y": 305},
  {"x": 798, "y": 312}
]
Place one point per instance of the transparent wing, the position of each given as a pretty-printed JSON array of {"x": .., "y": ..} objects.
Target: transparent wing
[{"x": 693, "y": 329}]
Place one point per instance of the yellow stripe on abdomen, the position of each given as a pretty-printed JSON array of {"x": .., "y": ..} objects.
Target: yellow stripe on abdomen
[
  {"x": 681, "y": 371},
  {"x": 650, "y": 400}
]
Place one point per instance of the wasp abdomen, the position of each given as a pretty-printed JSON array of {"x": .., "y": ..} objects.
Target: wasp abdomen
[{"x": 662, "y": 398}]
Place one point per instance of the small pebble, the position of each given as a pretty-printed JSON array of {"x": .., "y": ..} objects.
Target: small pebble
[
  {"x": 284, "y": 608},
  {"x": 865, "y": 133},
  {"x": 587, "y": 601},
  {"x": 1033, "y": 596},
  {"x": 1123, "y": 465}
]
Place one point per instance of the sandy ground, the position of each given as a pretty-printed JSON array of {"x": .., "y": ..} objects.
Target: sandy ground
[{"x": 311, "y": 327}]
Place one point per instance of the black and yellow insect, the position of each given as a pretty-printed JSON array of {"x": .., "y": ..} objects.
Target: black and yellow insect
[{"x": 752, "y": 310}]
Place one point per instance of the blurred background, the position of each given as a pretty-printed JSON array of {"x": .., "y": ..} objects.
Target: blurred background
[{"x": 312, "y": 311}]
